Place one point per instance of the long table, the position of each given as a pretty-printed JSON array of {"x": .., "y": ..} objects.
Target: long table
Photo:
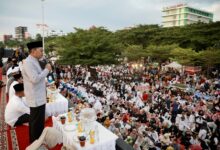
[
  {"x": 58, "y": 106},
  {"x": 105, "y": 139}
]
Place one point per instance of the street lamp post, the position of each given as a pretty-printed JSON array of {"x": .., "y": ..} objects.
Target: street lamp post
[{"x": 42, "y": 6}]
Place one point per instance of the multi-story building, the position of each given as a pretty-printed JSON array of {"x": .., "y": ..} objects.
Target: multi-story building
[
  {"x": 182, "y": 14},
  {"x": 5, "y": 38},
  {"x": 20, "y": 33}
]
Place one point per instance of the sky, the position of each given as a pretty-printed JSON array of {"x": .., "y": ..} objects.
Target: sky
[{"x": 112, "y": 14}]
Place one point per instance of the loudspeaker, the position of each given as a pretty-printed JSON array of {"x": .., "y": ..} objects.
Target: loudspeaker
[{"x": 122, "y": 145}]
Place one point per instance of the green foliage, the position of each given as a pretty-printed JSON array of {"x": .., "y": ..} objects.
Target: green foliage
[
  {"x": 196, "y": 44},
  {"x": 196, "y": 36},
  {"x": 184, "y": 56},
  {"x": 160, "y": 53},
  {"x": 134, "y": 52},
  {"x": 210, "y": 57},
  {"x": 140, "y": 35},
  {"x": 16, "y": 43},
  {"x": 89, "y": 47},
  {"x": 1, "y": 44},
  {"x": 13, "y": 43},
  {"x": 38, "y": 37}
]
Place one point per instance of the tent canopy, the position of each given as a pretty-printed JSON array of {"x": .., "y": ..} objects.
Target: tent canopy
[{"x": 174, "y": 65}]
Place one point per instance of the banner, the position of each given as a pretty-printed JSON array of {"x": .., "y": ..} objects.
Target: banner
[{"x": 192, "y": 69}]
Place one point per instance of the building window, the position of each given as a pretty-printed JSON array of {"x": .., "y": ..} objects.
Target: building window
[{"x": 185, "y": 21}]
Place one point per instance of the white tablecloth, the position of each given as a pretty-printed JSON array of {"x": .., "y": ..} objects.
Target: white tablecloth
[
  {"x": 58, "y": 106},
  {"x": 106, "y": 140}
]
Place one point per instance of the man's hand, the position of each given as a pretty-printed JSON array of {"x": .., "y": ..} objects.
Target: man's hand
[{"x": 48, "y": 66}]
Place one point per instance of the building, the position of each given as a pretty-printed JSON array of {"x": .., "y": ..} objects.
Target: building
[
  {"x": 5, "y": 38},
  {"x": 20, "y": 33},
  {"x": 182, "y": 14},
  {"x": 27, "y": 35}
]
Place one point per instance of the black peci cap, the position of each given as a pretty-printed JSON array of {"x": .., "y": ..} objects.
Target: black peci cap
[
  {"x": 36, "y": 44},
  {"x": 19, "y": 87}
]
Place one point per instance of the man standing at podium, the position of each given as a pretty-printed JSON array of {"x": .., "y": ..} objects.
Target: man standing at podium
[{"x": 35, "y": 88}]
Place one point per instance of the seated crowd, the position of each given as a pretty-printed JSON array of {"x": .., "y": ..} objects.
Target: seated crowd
[
  {"x": 139, "y": 106},
  {"x": 159, "y": 117}
]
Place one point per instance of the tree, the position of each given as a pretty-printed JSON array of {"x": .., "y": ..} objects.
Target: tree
[
  {"x": 2, "y": 44},
  {"x": 89, "y": 47},
  {"x": 100, "y": 46},
  {"x": 210, "y": 57},
  {"x": 38, "y": 37},
  {"x": 139, "y": 35},
  {"x": 13, "y": 43},
  {"x": 134, "y": 52},
  {"x": 160, "y": 53},
  {"x": 184, "y": 56}
]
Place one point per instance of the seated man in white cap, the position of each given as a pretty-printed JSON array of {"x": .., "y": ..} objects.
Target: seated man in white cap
[
  {"x": 10, "y": 78},
  {"x": 13, "y": 68},
  {"x": 16, "y": 112}
]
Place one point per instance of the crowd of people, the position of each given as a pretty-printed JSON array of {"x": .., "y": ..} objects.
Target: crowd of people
[{"x": 143, "y": 106}]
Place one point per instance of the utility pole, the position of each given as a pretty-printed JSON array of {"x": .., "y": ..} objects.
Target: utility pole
[{"x": 42, "y": 6}]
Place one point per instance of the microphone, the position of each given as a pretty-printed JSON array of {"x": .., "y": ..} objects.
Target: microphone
[{"x": 43, "y": 61}]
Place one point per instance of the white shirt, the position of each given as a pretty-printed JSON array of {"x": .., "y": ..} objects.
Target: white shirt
[
  {"x": 97, "y": 106},
  {"x": 61, "y": 74},
  {"x": 199, "y": 120},
  {"x": 146, "y": 108},
  {"x": 14, "y": 109},
  {"x": 194, "y": 141},
  {"x": 69, "y": 75},
  {"x": 202, "y": 134},
  {"x": 139, "y": 102},
  {"x": 183, "y": 125},
  {"x": 138, "y": 142},
  {"x": 12, "y": 90},
  {"x": 155, "y": 136},
  {"x": 20, "y": 64},
  {"x": 192, "y": 119},
  {"x": 177, "y": 121},
  {"x": 91, "y": 99},
  {"x": 187, "y": 121}
]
